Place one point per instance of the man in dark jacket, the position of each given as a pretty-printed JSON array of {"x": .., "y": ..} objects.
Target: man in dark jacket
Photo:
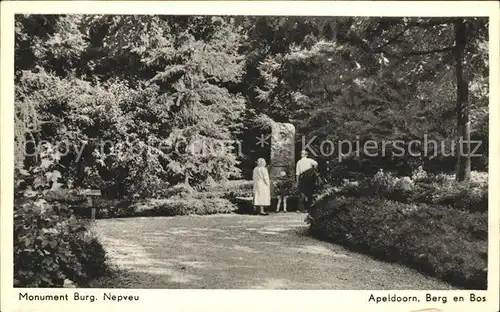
[{"x": 307, "y": 176}]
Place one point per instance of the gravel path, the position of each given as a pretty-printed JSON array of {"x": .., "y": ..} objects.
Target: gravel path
[{"x": 240, "y": 251}]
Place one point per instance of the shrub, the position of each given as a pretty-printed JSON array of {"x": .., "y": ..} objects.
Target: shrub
[
  {"x": 179, "y": 190},
  {"x": 232, "y": 189},
  {"x": 203, "y": 205},
  {"x": 352, "y": 187},
  {"x": 327, "y": 190},
  {"x": 405, "y": 184},
  {"x": 420, "y": 175},
  {"x": 423, "y": 188},
  {"x": 471, "y": 197},
  {"x": 383, "y": 180},
  {"x": 181, "y": 200},
  {"x": 443, "y": 242},
  {"x": 137, "y": 118},
  {"x": 51, "y": 247},
  {"x": 106, "y": 208},
  {"x": 479, "y": 179}
]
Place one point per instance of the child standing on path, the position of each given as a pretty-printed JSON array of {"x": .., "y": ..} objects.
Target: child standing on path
[{"x": 284, "y": 188}]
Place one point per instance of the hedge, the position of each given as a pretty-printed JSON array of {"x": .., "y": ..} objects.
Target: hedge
[
  {"x": 52, "y": 248},
  {"x": 440, "y": 241},
  {"x": 179, "y": 200},
  {"x": 181, "y": 206},
  {"x": 422, "y": 188}
]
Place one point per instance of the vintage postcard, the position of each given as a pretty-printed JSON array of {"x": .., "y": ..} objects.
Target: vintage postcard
[{"x": 250, "y": 156}]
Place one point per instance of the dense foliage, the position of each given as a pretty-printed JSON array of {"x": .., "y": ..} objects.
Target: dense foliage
[
  {"x": 137, "y": 100},
  {"x": 428, "y": 221},
  {"x": 362, "y": 79},
  {"x": 443, "y": 242},
  {"x": 420, "y": 187},
  {"x": 134, "y": 110},
  {"x": 54, "y": 248}
]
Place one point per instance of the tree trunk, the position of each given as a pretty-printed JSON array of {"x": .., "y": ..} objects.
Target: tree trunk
[{"x": 463, "y": 122}]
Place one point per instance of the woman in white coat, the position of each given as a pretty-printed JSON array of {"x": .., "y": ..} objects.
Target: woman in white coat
[{"x": 261, "y": 186}]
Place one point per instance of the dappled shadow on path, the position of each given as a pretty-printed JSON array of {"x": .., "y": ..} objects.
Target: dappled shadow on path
[{"x": 244, "y": 252}]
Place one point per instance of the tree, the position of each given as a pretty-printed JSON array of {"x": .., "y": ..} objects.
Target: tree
[
  {"x": 463, "y": 107},
  {"x": 166, "y": 84},
  {"x": 465, "y": 50},
  {"x": 402, "y": 68},
  {"x": 150, "y": 86}
]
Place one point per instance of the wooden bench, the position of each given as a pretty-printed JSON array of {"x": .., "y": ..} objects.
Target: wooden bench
[
  {"x": 89, "y": 194},
  {"x": 248, "y": 202},
  {"x": 245, "y": 199}
]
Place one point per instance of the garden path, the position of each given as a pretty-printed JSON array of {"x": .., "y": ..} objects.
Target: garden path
[{"x": 240, "y": 251}]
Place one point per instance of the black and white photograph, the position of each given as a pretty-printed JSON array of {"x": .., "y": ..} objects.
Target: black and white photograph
[{"x": 247, "y": 151}]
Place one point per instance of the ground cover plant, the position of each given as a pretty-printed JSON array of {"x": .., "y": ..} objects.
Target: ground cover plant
[
  {"x": 422, "y": 187},
  {"x": 441, "y": 230},
  {"x": 54, "y": 249}
]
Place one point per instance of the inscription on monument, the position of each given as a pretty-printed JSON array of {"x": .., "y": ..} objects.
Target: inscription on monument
[{"x": 282, "y": 156}]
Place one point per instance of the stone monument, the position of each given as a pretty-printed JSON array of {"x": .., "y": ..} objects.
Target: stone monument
[{"x": 282, "y": 157}]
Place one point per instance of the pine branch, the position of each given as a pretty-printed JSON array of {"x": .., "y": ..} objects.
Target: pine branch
[
  {"x": 355, "y": 39},
  {"x": 430, "y": 51},
  {"x": 433, "y": 22},
  {"x": 393, "y": 39},
  {"x": 358, "y": 41},
  {"x": 412, "y": 53}
]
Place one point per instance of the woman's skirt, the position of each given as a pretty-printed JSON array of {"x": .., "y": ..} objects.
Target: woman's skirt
[{"x": 261, "y": 194}]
